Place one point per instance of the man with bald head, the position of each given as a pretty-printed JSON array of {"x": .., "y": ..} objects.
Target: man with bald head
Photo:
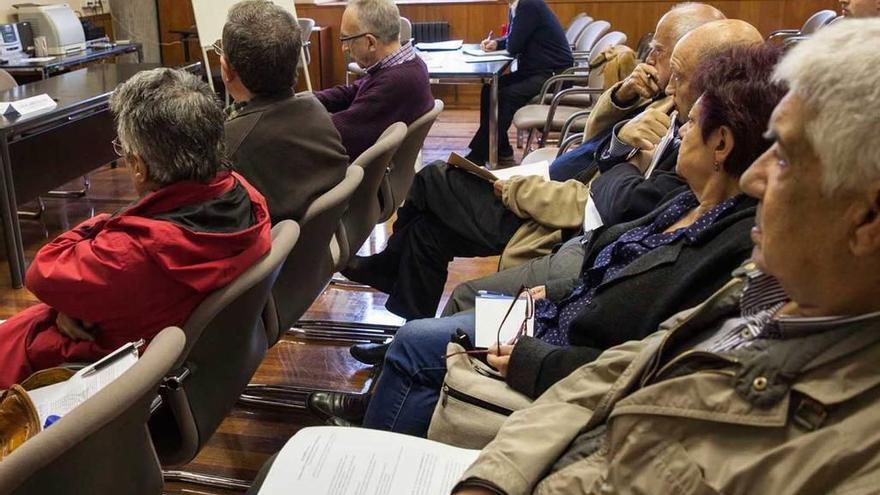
[
  {"x": 626, "y": 188},
  {"x": 640, "y": 90}
]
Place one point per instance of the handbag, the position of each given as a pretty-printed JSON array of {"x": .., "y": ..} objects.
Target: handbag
[
  {"x": 19, "y": 420},
  {"x": 474, "y": 402}
]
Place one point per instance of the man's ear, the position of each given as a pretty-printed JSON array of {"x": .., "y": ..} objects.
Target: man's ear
[
  {"x": 227, "y": 73},
  {"x": 865, "y": 212}
]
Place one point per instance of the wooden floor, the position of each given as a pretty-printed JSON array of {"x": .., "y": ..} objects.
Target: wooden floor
[{"x": 250, "y": 435}]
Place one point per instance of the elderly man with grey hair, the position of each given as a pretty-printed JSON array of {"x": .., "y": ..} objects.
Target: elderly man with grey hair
[
  {"x": 396, "y": 87},
  {"x": 772, "y": 384},
  {"x": 284, "y": 144},
  {"x": 118, "y": 278}
]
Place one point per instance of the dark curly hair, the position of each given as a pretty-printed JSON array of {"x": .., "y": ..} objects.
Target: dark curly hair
[{"x": 738, "y": 92}]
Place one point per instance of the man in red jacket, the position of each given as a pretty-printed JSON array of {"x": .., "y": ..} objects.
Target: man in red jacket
[{"x": 123, "y": 277}]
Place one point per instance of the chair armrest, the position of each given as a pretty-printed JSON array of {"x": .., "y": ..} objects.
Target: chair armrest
[
  {"x": 568, "y": 143},
  {"x": 571, "y": 120},
  {"x": 558, "y": 98},
  {"x": 561, "y": 78},
  {"x": 783, "y": 34}
]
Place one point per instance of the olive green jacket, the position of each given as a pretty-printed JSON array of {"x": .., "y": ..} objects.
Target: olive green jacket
[{"x": 790, "y": 416}]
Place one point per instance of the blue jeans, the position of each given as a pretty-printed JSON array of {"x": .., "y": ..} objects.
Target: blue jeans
[{"x": 412, "y": 376}]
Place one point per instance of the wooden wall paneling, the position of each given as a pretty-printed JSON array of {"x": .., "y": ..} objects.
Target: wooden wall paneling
[{"x": 471, "y": 20}]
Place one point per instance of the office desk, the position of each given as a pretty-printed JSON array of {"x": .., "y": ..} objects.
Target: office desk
[
  {"x": 41, "y": 151},
  {"x": 61, "y": 63},
  {"x": 450, "y": 67}
]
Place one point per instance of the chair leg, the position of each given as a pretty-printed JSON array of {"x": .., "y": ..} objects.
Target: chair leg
[
  {"x": 206, "y": 480},
  {"x": 519, "y": 139}
]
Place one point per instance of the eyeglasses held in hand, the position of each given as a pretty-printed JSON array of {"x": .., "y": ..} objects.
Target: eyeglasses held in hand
[{"x": 523, "y": 326}]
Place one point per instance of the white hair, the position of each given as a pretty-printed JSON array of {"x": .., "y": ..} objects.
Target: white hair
[
  {"x": 836, "y": 73},
  {"x": 381, "y": 18}
]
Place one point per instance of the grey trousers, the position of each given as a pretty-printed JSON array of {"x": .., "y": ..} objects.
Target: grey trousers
[{"x": 563, "y": 264}]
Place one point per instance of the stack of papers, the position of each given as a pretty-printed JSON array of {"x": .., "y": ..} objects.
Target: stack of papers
[
  {"x": 61, "y": 398},
  {"x": 476, "y": 52},
  {"x": 440, "y": 45},
  {"x": 336, "y": 461}
]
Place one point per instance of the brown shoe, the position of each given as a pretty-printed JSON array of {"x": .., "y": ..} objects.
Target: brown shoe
[{"x": 506, "y": 161}]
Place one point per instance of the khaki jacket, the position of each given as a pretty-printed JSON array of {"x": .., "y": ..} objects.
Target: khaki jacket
[
  {"x": 551, "y": 206},
  {"x": 711, "y": 425}
]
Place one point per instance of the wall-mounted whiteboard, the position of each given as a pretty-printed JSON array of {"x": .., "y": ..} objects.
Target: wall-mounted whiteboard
[{"x": 211, "y": 16}]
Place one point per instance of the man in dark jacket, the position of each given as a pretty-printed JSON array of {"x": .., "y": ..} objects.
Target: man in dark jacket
[
  {"x": 284, "y": 144},
  {"x": 538, "y": 42}
]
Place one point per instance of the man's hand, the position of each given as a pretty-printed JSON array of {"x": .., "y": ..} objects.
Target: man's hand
[
  {"x": 647, "y": 129},
  {"x": 73, "y": 328},
  {"x": 500, "y": 358},
  {"x": 642, "y": 82},
  {"x": 489, "y": 45},
  {"x": 498, "y": 188}
]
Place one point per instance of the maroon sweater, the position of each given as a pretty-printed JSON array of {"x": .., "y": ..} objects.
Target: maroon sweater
[{"x": 363, "y": 110}]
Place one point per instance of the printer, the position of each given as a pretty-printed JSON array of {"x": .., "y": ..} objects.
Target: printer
[{"x": 58, "y": 23}]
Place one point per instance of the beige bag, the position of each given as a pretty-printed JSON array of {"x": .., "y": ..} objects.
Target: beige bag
[{"x": 474, "y": 403}]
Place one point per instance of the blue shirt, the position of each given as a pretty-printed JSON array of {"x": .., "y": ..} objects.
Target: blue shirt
[{"x": 553, "y": 319}]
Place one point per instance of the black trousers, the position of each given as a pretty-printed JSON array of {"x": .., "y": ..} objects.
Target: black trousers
[
  {"x": 515, "y": 90},
  {"x": 448, "y": 213}
]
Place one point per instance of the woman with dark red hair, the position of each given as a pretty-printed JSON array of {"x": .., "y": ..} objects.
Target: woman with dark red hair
[{"x": 634, "y": 275}]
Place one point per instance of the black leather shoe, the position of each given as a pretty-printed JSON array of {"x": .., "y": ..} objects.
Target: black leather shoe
[
  {"x": 334, "y": 421},
  {"x": 379, "y": 271},
  {"x": 506, "y": 161},
  {"x": 372, "y": 354},
  {"x": 350, "y": 407}
]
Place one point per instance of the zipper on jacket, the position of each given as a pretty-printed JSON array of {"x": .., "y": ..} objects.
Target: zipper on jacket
[{"x": 467, "y": 399}]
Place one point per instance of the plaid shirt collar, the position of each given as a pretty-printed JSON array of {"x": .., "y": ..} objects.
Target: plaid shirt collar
[
  {"x": 761, "y": 299},
  {"x": 405, "y": 54}
]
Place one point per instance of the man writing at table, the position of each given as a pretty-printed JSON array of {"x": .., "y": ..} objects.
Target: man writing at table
[{"x": 538, "y": 42}]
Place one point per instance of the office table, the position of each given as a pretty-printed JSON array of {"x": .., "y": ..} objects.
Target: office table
[
  {"x": 44, "y": 150},
  {"x": 450, "y": 67},
  {"x": 61, "y": 63}
]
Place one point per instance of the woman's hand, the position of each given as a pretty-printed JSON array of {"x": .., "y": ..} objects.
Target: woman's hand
[
  {"x": 500, "y": 358},
  {"x": 488, "y": 45},
  {"x": 498, "y": 188},
  {"x": 539, "y": 292},
  {"x": 74, "y": 329}
]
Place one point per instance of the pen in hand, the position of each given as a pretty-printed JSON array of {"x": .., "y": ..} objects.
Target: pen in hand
[{"x": 489, "y": 36}]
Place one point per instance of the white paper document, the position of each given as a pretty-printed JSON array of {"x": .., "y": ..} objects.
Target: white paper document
[
  {"x": 477, "y": 52},
  {"x": 440, "y": 45},
  {"x": 489, "y": 313},
  {"x": 592, "y": 217},
  {"x": 61, "y": 398},
  {"x": 541, "y": 168},
  {"x": 328, "y": 460},
  {"x": 27, "y": 105},
  {"x": 483, "y": 60},
  {"x": 662, "y": 145}
]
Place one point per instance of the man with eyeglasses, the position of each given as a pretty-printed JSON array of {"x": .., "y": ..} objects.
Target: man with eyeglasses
[{"x": 396, "y": 87}]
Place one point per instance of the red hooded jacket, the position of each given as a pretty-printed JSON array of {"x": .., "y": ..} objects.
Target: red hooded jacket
[{"x": 134, "y": 273}]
